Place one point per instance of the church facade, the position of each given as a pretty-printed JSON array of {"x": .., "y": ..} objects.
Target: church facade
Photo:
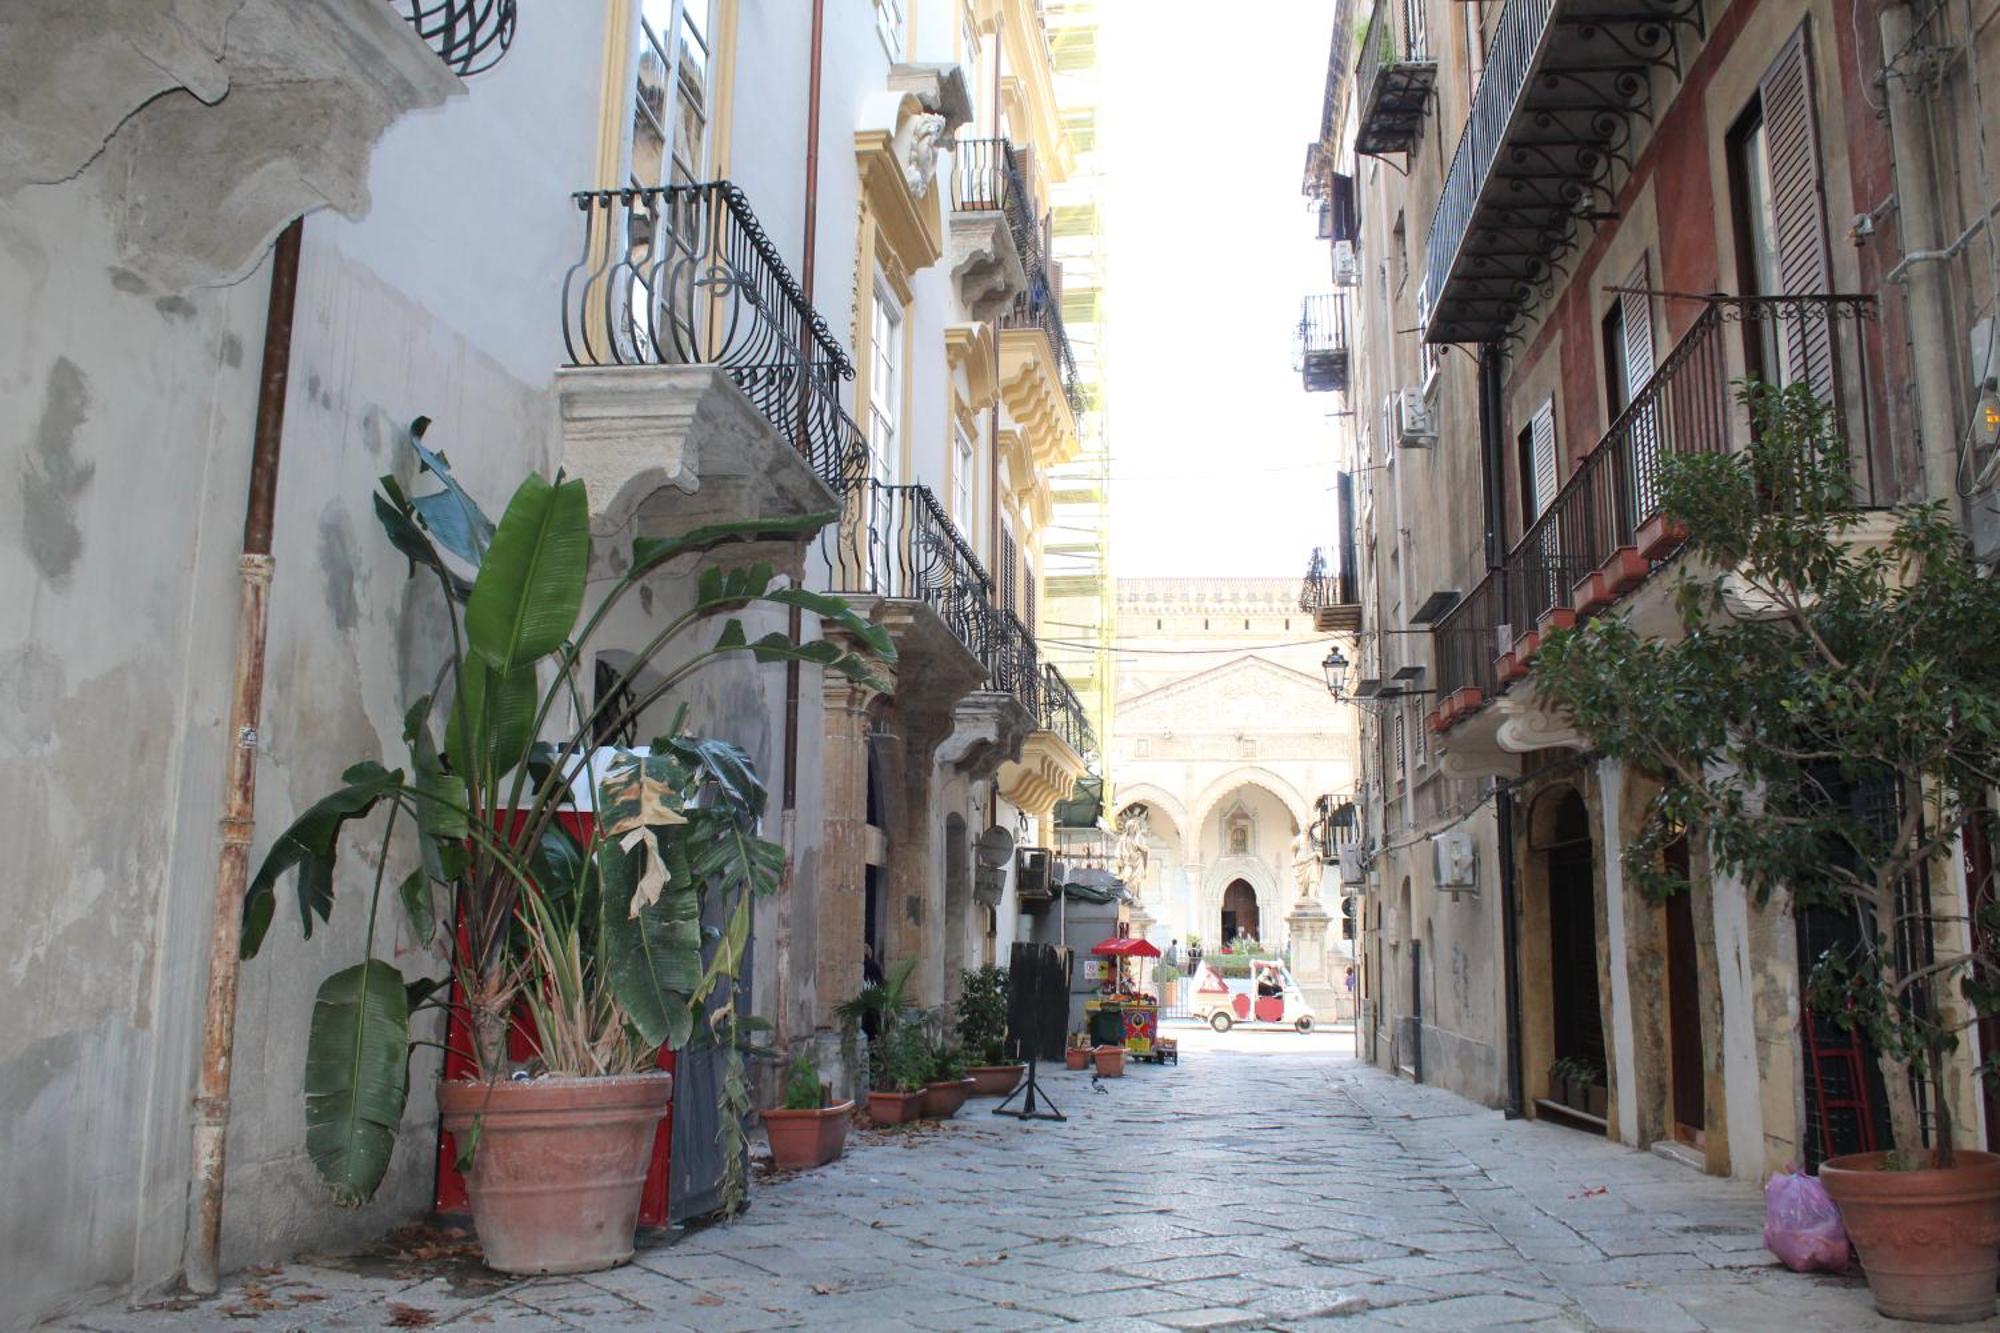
[{"x": 1226, "y": 741}]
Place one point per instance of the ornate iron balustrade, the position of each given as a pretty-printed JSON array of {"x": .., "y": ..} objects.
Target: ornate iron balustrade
[
  {"x": 987, "y": 176},
  {"x": 1608, "y": 512},
  {"x": 1317, "y": 590},
  {"x": 469, "y": 36},
  {"x": 1394, "y": 76},
  {"x": 1062, "y": 712},
  {"x": 896, "y": 542},
  {"x": 685, "y": 276},
  {"x": 1551, "y": 121},
  {"x": 1323, "y": 354},
  {"x": 1013, "y": 660}
]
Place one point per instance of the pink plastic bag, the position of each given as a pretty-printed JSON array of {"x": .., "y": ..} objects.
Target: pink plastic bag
[{"x": 1802, "y": 1225}]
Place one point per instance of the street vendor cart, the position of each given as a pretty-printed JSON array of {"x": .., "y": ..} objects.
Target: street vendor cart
[{"x": 1120, "y": 1014}]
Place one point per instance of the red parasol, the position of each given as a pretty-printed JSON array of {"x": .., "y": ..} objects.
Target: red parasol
[{"x": 1127, "y": 948}]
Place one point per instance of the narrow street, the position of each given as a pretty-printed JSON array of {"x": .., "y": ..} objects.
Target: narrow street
[{"x": 1269, "y": 1181}]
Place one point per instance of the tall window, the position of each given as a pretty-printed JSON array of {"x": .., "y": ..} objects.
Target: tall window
[
  {"x": 670, "y": 110},
  {"x": 885, "y": 387},
  {"x": 892, "y": 26},
  {"x": 1757, "y": 233},
  {"x": 961, "y": 483}
]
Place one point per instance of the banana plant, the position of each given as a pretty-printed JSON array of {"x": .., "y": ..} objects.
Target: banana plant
[{"x": 597, "y": 937}]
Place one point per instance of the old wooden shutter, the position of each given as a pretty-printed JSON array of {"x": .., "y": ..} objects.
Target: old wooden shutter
[
  {"x": 1030, "y": 615},
  {"x": 1636, "y": 311},
  {"x": 1636, "y": 318},
  {"x": 1007, "y": 562},
  {"x": 1791, "y": 145},
  {"x": 1543, "y": 425},
  {"x": 1551, "y": 584}
]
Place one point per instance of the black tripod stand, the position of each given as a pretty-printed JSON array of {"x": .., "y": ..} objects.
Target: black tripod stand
[{"x": 1030, "y": 1086}]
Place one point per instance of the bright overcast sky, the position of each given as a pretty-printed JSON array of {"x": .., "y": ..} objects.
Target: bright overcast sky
[{"x": 1221, "y": 463}]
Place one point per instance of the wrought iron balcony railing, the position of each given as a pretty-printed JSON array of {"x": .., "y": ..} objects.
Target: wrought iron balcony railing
[
  {"x": 987, "y": 176},
  {"x": 895, "y": 541},
  {"x": 1013, "y": 660},
  {"x": 1394, "y": 77},
  {"x": 1551, "y": 120},
  {"x": 469, "y": 36},
  {"x": 1323, "y": 356},
  {"x": 1062, "y": 712},
  {"x": 684, "y": 276},
  {"x": 1591, "y": 544}
]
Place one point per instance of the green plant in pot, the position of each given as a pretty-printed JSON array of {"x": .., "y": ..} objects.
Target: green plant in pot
[
  {"x": 875, "y": 1011},
  {"x": 896, "y": 1093},
  {"x": 1828, "y": 729},
  {"x": 982, "y": 1031},
  {"x": 566, "y": 879},
  {"x": 946, "y": 1083},
  {"x": 806, "y": 1131}
]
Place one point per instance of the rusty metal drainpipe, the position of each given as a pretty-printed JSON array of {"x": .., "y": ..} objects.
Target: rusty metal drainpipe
[{"x": 201, "y": 1256}]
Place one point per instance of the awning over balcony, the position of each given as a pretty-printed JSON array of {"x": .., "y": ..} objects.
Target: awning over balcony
[{"x": 1551, "y": 125}]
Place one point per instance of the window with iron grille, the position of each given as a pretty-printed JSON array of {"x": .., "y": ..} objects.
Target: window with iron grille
[{"x": 1008, "y": 559}]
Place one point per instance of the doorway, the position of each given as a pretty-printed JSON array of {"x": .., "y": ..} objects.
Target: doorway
[
  {"x": 1686, "y": 1060},
  {"x": 1239, "y": 912},
  {"x": 1578, "y": 1024}
]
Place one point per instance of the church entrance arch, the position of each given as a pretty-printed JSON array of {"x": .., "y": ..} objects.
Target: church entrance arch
[{"x": 1239, "y": 912}]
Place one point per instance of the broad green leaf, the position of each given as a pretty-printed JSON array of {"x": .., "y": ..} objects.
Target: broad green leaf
[
  {"x": 530, "y": 586},
  {"x": 652, "y": 962},
  {"x": 309, "y": 845},
  {"x": 393, "y": 511},
  {"x": 418, "y": 991},
  {"x": 829, "y": 607},
  {"x": 492, "y": 722},
  {"x": 418, "y": 905},
  {"x": 729, "y": 767},
  {"x": 357, "y": 1061},
  {"x": 452, "y": 514},
  {"x": 649, "y": 553},
  {"x": 442, "y": 800}
]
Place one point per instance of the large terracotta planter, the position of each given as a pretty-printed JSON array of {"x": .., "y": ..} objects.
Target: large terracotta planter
[
  {"x": 895, "y": 1108},
  {"x": 801, "y": 1139},
  {"x": 1929, "y": 1240},
  {"x": 559, "y": 1165},
  {"x": 942, "y": 1100},
  {"x": 1110, "y": 1061},
  {"x": 995, "y": 1080},
  {"x": 1076, "y": 1057}
]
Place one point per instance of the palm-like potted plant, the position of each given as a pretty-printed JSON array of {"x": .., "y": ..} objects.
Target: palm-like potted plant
[
  {"x": 946, "y": 1084},
  {"x": 806, "y": 1131},
  {"x": 982, "y": 1031},
  {"x": 896, "y": 1094},
  {"x": 565, "y": 878},
  {"x": 1828, "y": 728}
]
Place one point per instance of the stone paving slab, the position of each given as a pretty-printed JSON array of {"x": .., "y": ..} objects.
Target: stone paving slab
[{"x": 1241, "y": 1189}]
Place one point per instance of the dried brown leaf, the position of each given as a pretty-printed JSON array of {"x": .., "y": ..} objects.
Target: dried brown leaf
[{"x": 409, "y": 1316}]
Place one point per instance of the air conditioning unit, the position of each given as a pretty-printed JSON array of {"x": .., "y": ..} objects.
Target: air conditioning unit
[
  {"x": 1032, "y": 875},
  {"x": 1352, "y": 871},
  {"x": 1415, "y": 427},
  {"x": 1454, "y": 863},
  {"x": 1346, "y": 268}
]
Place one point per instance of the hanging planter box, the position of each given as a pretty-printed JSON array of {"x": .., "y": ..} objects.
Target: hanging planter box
[
  {"x": 1465, "y": 701},
  {"x": 1528, "y": 645},
  {"x": 1624, "y": 571},
  {"x": 1439, "y": 721},
  {"x": 1553, "y": 619},
  {"x": 1591, "y": 594},
  {"x": 1509, "y": 668},
  {"x": 1659, "y": 536}
]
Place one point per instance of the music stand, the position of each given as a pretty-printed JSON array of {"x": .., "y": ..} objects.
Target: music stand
[{"x": 1038, "y": 1007}]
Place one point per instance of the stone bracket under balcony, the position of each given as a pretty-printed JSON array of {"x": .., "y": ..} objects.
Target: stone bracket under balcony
[
  {"x": 1046, "y": 772},
  {"x": 985, "y": 263},
  {"x": 1490, "y": 741},
  {"x": 1031, "y": 385},
  {"x": 989, "y": 729},
  {"x": 213, "y": 123},
  {"x": 662, "y": 450},
  {"x": 934, "y": 668}
]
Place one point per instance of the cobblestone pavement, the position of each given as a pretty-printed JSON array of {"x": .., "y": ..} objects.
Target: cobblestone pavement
[{"x": 1257, "y": 1185}]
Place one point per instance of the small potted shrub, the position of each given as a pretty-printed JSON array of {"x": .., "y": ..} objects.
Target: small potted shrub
[
  {"x": 947, "y": 1086},
  {"x": 1110, "y": 1061},
  {"x": 806, "y": 1132},
  {"x": 1077, "y": 1054},
  {"x": 898, "y": 1096},
  {"x": 982, "y": 1029}
]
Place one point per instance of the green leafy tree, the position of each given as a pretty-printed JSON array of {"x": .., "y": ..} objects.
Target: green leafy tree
[
  {"x": 982, "y": 1013},
  {"x": 1815, "y": 668},
  {"x": 600, "y": 940}
]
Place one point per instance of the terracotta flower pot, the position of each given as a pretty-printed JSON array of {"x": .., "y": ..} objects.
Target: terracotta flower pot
[
  {"x": 1659, "y": 536},
  {"x": 996, "y": 1080},
  {"x": 1624, "y": 570},
  {"x": 556, "y": 1175},
  {"x": 1509, "y": 667},
  {"x": 801, "y": 1139},
  {"x": 1929, "y": 1240},
  {"x": 1110, "y": 1061},
  {"x": 895, "y": 1108},
  {"x": 942, "y": 1100},
  {"x": 1077, "y": 1057},
  {"x": 1591, "y": 594}
]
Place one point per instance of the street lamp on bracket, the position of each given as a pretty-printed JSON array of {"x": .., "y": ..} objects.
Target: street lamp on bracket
[{"x": 1370, "y": 694}]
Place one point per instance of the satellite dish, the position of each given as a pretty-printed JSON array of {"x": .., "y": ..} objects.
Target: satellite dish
[{"x": 995, "y": 847}]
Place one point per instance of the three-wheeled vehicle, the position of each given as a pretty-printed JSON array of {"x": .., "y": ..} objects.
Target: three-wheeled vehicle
[{"x": 1268, "y": 997}]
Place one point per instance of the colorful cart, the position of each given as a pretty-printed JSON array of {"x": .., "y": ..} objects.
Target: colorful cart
[{"x": 1136, "y": 1016}]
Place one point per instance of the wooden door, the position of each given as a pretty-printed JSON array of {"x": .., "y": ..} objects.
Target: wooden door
[{"x": 1684, "y": 1054}]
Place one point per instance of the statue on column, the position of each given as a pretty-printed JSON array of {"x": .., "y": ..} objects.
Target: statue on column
[
  {"x": 1133, "y": 856},
  {"x": 1306, "y": 865}
]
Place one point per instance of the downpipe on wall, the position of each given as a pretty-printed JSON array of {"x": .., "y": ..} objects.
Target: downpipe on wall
[{"x": 201, "y": 1255}]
